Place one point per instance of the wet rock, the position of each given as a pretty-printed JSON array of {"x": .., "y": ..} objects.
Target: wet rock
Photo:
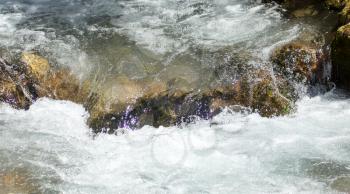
[
  {"x": 22, "y": 83},
  {"x": 16, "y": 86},
  {"x": 340, "y": 48},
  {"x": 267, "y": 96},
  {"x": 122, "y": 102},
  {"x": 300, "y": 62},
  {"x": 114, "y": 95},
  {"x": 58, "y": 83},
  {"x": 38, "y": 66},
  {"x": 341, "y": 57},
  {"x": 167, "y": 107}
]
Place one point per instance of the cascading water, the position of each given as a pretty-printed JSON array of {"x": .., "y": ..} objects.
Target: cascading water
[{"x": 50, "y": 149}]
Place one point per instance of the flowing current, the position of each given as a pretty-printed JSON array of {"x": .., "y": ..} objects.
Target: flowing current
[{"x": 50, "y": 149}]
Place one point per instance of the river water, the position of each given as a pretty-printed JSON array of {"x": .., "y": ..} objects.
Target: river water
[{"x": 50, "y": 149}]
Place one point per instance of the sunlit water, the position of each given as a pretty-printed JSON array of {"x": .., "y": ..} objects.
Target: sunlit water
[{"x": 233, "y": 153}]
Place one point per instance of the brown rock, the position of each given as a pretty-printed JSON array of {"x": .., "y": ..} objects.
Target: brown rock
[
  {"x": 16, "y": 87},
  {"x": 38, "y": 65},
  {"x": 58, "y": 84},
  {"x": 299, "y": 62}
]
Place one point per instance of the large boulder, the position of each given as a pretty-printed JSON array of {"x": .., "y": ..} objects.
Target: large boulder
[
  {"x": 120, "y": 101},
  {"x": 164, "y": 106}
]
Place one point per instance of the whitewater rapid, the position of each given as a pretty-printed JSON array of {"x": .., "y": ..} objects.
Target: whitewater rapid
[
  {"x": 233, "y": 153},
  {"x": 51, "y": 147}
]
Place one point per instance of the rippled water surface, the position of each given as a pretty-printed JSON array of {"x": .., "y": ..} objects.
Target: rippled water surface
[{"x": 50, "y": 149}]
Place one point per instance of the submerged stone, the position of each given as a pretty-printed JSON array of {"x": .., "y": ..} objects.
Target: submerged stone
[
  {"x": 17, "y": 181},
  {"x": 341, "y": 184}
]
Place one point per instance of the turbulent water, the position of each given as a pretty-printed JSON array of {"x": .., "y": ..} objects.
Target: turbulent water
[
  {"x": 301, "y": 153},
  {"x": 50, "y": 149}
]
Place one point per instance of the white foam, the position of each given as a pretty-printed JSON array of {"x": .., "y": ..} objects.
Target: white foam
[
  {"x": 65, "y": 51},
  {"x": 166, "y": 26},
  {"x": 241, "y": 154}
]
